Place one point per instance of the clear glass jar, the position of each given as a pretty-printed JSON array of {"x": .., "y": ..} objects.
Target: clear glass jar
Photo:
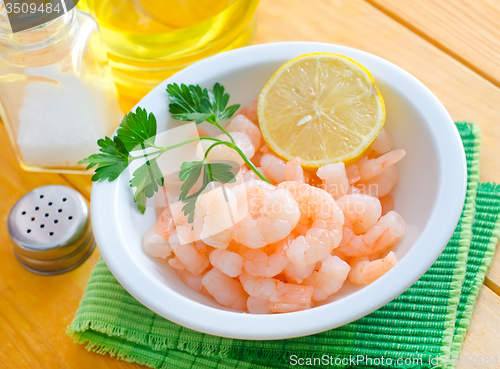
[
  {"x": 149, "y": 40},
  {"x": 57, "y": 95}
]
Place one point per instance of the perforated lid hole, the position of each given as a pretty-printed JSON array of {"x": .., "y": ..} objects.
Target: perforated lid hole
[
  {"x": 28, "y": 231},
  {"x": 70, "y": 217},
  {"x": 42, "y": 225}
]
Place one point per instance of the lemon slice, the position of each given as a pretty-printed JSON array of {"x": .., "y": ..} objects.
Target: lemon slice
[{"x": 321, "y": 107}]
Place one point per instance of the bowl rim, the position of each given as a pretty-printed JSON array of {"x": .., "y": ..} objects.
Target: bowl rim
[{"x": 191, "y": 314}]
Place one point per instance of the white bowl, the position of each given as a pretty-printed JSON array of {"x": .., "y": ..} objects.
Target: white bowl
[{"x": 430, "y": 195}]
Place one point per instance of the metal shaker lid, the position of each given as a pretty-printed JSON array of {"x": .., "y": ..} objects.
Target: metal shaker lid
[{"x": 51, "y": 229}]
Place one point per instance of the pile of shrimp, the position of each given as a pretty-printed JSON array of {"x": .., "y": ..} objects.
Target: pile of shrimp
[{"x": 284, "y": 246}]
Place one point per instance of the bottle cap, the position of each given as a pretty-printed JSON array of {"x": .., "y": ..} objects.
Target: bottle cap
[{"x": 51, "y": 229}]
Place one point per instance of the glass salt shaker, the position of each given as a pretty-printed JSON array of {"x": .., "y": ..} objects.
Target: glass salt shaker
[{"x": 57, "y": 95}]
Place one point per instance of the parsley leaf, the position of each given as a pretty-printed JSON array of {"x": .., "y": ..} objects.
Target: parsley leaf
[
  {"x": 113, "y": 160},
  {"x": 189, "y": 174},
  {"x": 147, "y": 179},
  {"x": 136, "y": 129},
  {"x": 191, "y": 103},
  {"x": 214, "y": 102}
]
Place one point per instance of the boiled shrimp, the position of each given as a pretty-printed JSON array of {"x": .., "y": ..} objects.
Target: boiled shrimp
[
  {"x": 250, "y": 111},
  {"x": 259, "y": 264},
  {"x": 225, "y": 153},
  {"x": 373, "y": 167},
  {"x": 383, "y": 143},
  {"x": 273, "y": 290},
  {"x": 240, "y": 123},
  {"x": 352, "y": 170},
  {"x": 294, "y": 171},
  {"x": 297, "y": 274},
  {"x": 381, "y": 184},
  {"x": 189, "y": 255},
  {"x": 165, "y": 223},
  {"x": 274, "y": 168},
  {"x": 276, "y": 218},
  {"x": 388, "y": 230},
  {"x": 365, "y": 271},
  {"x": 334, "y": 179},
  {"x": 226, "y": 290},
  {"x": 215, "y": 215},
  {"x": 387, "y": 203},
  {"x": 327, "y": 218},
  {"x": 228, "y": 262},
  {"x": 362, "y": 210},
  {"x": 258, "y": 306},
  {"x": 154, "y": 244},
  {"x": 329, "y": 278}
]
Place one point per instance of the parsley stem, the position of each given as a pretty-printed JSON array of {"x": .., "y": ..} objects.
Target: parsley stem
[
  {"x": 243, "y": 156},
  {"x": 226, "y": 132},
  {"x": 165, "y": 149}
]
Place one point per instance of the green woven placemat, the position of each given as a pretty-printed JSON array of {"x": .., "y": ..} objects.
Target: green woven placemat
[{"x": 426, "y": 322}]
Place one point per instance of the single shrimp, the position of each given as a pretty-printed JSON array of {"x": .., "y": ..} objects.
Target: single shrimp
[
  {"x": 387, "y": 203},
  {"x": 225, "y": 153},
  {"x": 257, "y": 306},
  {"x": 241, "y": 123},
  {"x": 176, "y": 263},
  {"x": 248, "y": 174},
  {"x": 352, "y": 170},
  {"x": 228, "y": 262},
  {"x": 383, "y": 143},
  {"x": 334, "y": 179},
  {"x": 191, "y": 280},
  {"x": 326, "y": 231},
  {"x": 381, "y": 184},
  {"x": 374, "y": 167},
  {"x": 329, "y": 278},
  {"x": 274, "y": 168},
  {"x": 154, "y": 244},
  {"x": 362, "y": 210},
  {"x": 272, "y": 222},
  {"x": 226, "y": 290},
  {"x": 250, "y": 111},
  {"x": 259, "y": 264},
  {"x": 189, "y": 255},
  {"x": 297, "y": 274},
  {"x": 280, "y": 307},
  {"x": 294, "y": 171},
  {"x": 365, "y": 271},
  {"x": 387, "y": 231},
  {"x": 215, "y": 215},
  {"x": 273, "y": 290},
  {"x": 165, "y": 224}
]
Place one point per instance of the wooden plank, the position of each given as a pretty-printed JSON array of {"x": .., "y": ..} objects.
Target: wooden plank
[
  {"x": 469, "y": 30},
  {"x": 481, "y": 340}
]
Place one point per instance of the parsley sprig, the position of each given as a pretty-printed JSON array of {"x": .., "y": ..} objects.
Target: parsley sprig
[{"x": 137, "y": 132}]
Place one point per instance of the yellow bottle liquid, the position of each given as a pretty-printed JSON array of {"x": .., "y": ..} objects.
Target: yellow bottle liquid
[{"x": 149, "y": 40}]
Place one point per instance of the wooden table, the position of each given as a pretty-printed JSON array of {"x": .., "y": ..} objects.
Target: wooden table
[{"x": 452, "y": 46}]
